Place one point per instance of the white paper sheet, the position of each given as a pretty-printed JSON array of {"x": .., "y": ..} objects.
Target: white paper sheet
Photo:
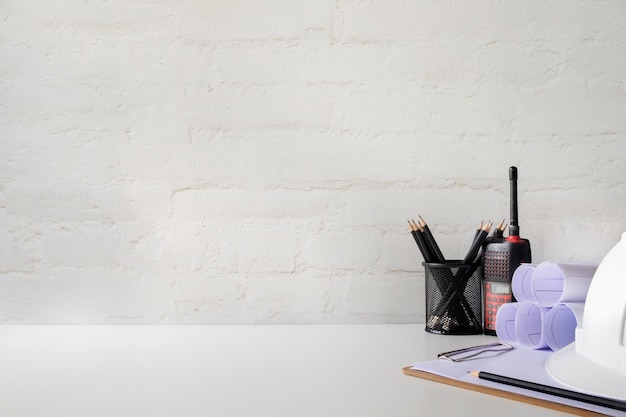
[{"x": 524, "y": 364}]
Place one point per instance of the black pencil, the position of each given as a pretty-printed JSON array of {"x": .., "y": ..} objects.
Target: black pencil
[
  {"x": 478, "y": 230},
  {"x": 559, "y": 392},
  {"x": 419, "y": 232},
  {"x": 477, "y": 243},
  {"x": 419, "y": 239},
  {"x": 431, "y": 242},
  {"x": 498, "y": 230}
]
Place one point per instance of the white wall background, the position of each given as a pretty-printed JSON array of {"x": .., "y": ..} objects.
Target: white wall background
[{"x": 256, "y": 161}]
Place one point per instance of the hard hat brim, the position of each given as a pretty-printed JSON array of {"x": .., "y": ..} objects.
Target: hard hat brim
[{"x": 581, "y": 374}]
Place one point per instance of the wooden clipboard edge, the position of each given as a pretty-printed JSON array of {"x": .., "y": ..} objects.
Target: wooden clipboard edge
[{"x": 500, "y": 393}]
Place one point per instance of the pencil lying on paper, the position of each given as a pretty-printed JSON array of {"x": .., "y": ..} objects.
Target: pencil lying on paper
[{"x": 559, "y": 392}]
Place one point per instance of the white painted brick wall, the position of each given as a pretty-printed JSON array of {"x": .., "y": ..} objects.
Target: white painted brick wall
[{"x": 256, "y": 161}]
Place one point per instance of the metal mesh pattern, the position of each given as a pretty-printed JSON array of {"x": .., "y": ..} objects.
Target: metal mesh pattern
[{"x": 453, "y": 298}]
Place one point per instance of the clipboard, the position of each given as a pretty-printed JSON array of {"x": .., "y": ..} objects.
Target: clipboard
[
  {"x": 507, "y": 363},
  {"x": 408, "y": 370}
]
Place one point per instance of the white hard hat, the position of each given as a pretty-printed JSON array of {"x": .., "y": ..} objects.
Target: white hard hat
[{"x": 596, "y": 361}]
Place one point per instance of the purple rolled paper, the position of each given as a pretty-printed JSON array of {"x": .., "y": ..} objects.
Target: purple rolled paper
[
  {"x": 521, "y": 282},
  {"x": 529, "y": 322},
  {"x": 560, "y": 324},
  {"x": 505, "y": 323}
]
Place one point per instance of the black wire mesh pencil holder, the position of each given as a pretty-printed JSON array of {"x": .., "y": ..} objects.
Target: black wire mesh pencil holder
[{"x": 453, "y": 298}]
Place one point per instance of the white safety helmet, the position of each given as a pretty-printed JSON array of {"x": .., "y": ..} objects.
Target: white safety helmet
[{"x": 596, "y": 361}]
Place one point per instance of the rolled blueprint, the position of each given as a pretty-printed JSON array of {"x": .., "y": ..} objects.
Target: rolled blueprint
[
  {"x": 529, "y": 322},
  {"x": 505, "y": 323},
  {"x": 560, "y": 324},
  {"x": 521, "y": 283},
  {"x": 554, "y": 283}
]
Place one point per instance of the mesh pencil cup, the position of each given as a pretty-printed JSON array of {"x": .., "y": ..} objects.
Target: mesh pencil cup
[{"x": 453, "y": 298}]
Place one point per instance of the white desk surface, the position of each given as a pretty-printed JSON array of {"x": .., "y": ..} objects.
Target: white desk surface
[{"x": 263, "y": 370}]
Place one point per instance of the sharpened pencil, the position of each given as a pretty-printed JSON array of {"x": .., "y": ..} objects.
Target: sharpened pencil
[
  {"x": 419, "y": 240},
  {"x": 480, "y": 227},
  {"x": 477, "y": 243},
  {"x": 546, "y": 389},
  {"x": 431, "y": 242}
]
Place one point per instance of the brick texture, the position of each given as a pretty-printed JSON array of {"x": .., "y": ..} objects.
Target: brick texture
[{"x": 256, "y": 161}]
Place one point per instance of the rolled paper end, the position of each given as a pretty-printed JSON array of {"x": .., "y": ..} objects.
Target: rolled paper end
[
  {"x": 521, "y": 283},
  {"x": 529, "y": 323},
  {"x": 505, "y": 323}
]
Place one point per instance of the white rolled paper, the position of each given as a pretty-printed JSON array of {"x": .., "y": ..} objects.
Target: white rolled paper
[{"x": 554, "y": 283}]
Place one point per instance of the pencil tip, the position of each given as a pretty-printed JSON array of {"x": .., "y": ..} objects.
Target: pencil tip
[{"x": 473, "y": 373}]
